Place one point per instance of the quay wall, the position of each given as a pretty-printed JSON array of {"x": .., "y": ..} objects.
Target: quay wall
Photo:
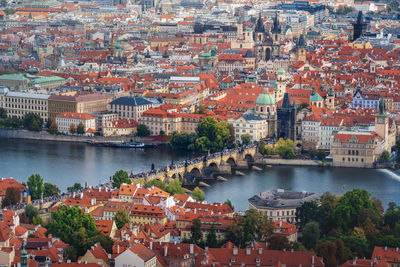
[
  {"x": 45, "y": 136},
  {"x": 293, "y": 162}
]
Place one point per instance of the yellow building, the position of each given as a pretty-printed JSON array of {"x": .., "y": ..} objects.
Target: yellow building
[
  {"x": 142, "y": 214},
  {"x": 219, "y": 223},
  {"x": 356, "y": 149},
  {"x": 78, "y": 102}
]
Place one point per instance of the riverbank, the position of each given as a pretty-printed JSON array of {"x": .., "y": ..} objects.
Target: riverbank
[
  {"x": 291, "y": 162},
  {"x": 45, "y": 136}
]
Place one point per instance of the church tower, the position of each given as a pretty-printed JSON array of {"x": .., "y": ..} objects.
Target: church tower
[
  {"x": 358, "y": 27},
  {"x": 382, "y": 123},
  {"x": 330, "y": 99},
  {"x": 266, "y": 109},
  {"x": 280, "y": 84},
  {"x": 316, "y": 99},
  {"x": 239, "y": 28},
  {"x": 301, "y": 49},
  {"x": 276, "y": 36}
]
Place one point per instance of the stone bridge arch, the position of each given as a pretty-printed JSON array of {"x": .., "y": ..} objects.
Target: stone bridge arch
[{"x": 231, "y": 161}]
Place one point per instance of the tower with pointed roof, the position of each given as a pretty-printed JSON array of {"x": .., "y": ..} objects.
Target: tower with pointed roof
[
  {"x": 382, "y": 123},
  {"x": 267, "y": 44},
  {"x": 24, "y": 256},
  {"x": 301, "y": 49},
  {"x": 286, "y": 119},
  {"x": 330, "y": 99},
  {"x": 358, "y": 27}
]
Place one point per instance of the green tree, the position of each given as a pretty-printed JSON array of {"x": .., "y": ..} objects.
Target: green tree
[
  {"x": 279, "y": 242},
  {"x": 385, "y": 156},
  {"x": 3, "y": 113},
  {"x": 175, "y": 187},
  {"x": 72, "y": 128},
  {"x": 231, "y": 140},
  {"x": 35, "y": 186},
  {"x": 31, "y": 212},
  {"x": 212, "y": 135},
  {"x": 76, "y": 187},
  {"x": 12, "y": 197},
  {"x": 305, "y": 213},
  {"x": 51, "y": 190},
  {"x": 53, "y": 129},
  {"x": 246, "y": 139},
  {"x": 32, "y": 122},
  {"x": 182, "y": 141},
  {"x": 325, "y": 212},
  {"x": 253, "y": 226},
  {"x": 121, "y": 218},
  {"x": 70, "y": 253},
  {"x": 37, "y": 220},
  {"x": 327, "y": 250},
  {"x": 311, "y": 234},
  {"x": 349, "y": 210},
  {"x": 285, "y": 148},
  {"x": 143, "y": 130},
  {"x": 196, "y": 236},
  {"x": 119, "y": 178},
  {"x": 156, "y": 182},
  {"x": 198, "y": 194},
  {"x": 212, "y": 241},
  {"x": 229, "y": 203},
  {"x": 261, "y": 147},
  {"x": 77, "y": 229},
  {"x": 80, "y": 129}
]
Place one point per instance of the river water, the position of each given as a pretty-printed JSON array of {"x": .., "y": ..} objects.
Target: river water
[{"x": 66, "y": 163}]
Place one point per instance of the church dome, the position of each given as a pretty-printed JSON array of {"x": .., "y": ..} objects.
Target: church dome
[
  {"x": 281, "y": 71},
  {"x": 265, "y": 99}
]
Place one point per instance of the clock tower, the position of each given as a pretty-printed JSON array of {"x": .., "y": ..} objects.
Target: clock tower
[{"x": 382, "y": 123}]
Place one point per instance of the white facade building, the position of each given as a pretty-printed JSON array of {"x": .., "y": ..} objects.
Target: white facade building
[{"x": 64, "y": 121}]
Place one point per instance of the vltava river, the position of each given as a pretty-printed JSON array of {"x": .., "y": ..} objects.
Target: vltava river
[{"x": 66, "y": 163}]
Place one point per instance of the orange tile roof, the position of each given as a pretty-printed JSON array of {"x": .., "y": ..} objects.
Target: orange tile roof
[{"x": 77, "y": 116}]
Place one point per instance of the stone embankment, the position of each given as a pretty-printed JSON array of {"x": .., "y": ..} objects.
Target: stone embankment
[
  {"x": 292, "y": 162},
  {"x": 45, "y": 136}
]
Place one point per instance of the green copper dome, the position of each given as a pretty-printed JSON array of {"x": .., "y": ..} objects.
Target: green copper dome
[
  {"x": 265, "y": 99},
  {"x": 281, "y": 71}
]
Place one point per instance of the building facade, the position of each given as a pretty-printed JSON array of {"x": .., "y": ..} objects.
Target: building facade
[
  {"x": 18, "y": 104},
  {"x": 65, "y": 119}
]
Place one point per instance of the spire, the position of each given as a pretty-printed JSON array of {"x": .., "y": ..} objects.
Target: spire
[
  {"x": 24, "y": 256},
  {"x": 1, "y": 215},
  {"x": 260, "y": 24},
  {"x": 313, "y": 90},
  {"x": 330, "y": 93},
  {"x": 276, "y": 27},
  {"x": 322, "y": 87},
  {"x": 286, "y": 101},
  {"x": 301, "y": 42},
  {"x": 382, "y": 108}
]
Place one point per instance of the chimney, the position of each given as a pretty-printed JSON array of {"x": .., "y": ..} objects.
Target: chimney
[
  {"x": 165, "y": 251},
  {"x": 235, "y": 251},
  {"x": 260, "y": 251},
  {"x": 73, "y": 195},
  {"x": 355, "y": 261},
  {"x": 191, "y": 249},
  {"x": 385, "y": 248},
  {"x": 99, "y": 189},
  {"x": 280, "y": 223},
  {"x": 118, "y": 249},
  {"x": 68, "y": 261},
  {"x": 81, "y": 195},
  {"x": 248, "y": 251},
  {"x": 151, "y": 245},
  {"x": 397, "y": 249},
  {"x": 312, "y": 260}
]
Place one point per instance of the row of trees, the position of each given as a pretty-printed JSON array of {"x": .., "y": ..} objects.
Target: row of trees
[
  {"x": 31, "y": 121},
  {"x": 284, "y": 148},
  {"x": 211, "y": 135}
]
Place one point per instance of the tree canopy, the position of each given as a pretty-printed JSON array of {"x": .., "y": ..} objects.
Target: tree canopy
[
  {"x": 12, "y": 197},
  {"x": 143, "y": 130},
  {"x": 80, "y": 129},
  {"x": 285, "y": 148},
  {"x": 50, "y": 190},
  {"x": 33, "y": 122},
  {"x": 198, "y": 194},
  {"x": 121, "y": 218},
  {"x": 35, "y": 186},
  {"x": 77, "y": 229},
  {"x": 212, "y": 135},
  {"x": 119, "y": 178}
]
